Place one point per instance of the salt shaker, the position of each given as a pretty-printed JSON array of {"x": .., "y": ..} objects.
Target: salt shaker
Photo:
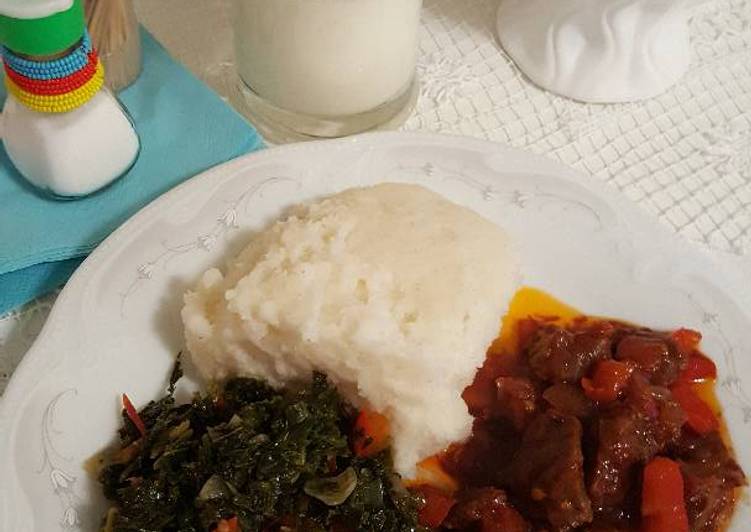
[{"x": 62, "y": 129}]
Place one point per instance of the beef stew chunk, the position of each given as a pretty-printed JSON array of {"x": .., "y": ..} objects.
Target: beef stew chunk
[
  {"x": 569, "y": 399},
  {"x": 517, "y": 400},
  {"x": 548, "y": 470},
  {"x": 548, "y": 455},
  {"x": 486, "y": 510},
  {"x": 483, "y": 460},
  {"x": 559, "y": 355},
  {"x": 710, "y": 476},
  {"x": 628, "y": 435},
  {"x": 653, "y": 356},
  {"x": 623, "y": 443}
]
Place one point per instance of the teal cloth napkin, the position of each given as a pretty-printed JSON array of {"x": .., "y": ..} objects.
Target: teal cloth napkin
[{"x": 184, "y": 128}]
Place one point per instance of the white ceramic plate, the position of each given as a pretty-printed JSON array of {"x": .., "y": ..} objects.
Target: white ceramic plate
[{"x": 116, "y": 325}]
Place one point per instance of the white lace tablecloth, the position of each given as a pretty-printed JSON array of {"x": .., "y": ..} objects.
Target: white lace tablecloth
[{"x": 684, "y": 156}]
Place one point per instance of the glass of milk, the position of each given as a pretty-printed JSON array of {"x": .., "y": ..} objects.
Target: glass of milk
[{"x": 325, "y": 68}]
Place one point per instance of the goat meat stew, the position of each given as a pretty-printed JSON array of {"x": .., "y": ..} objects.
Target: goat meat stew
[{"x": 595, "y": 425}]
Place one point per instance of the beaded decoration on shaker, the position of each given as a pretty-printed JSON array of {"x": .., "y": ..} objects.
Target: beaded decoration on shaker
[{"x": 55, "y": 86}]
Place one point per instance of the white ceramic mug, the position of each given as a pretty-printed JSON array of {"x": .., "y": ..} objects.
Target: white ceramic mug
[{"x": 598, "y": 50}]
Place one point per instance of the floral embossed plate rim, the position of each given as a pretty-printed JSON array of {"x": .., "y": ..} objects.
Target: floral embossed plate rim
[{"x": 116, "y": 326}]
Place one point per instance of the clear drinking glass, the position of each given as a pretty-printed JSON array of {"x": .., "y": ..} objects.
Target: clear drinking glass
[{"x": 325, "y": 68}]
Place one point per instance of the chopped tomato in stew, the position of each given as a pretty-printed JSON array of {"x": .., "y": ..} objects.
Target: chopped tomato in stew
[{"x": 594, "y": 426}]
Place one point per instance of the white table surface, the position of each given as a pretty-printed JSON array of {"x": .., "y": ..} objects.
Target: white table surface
[{"x": 685, "y": 156}]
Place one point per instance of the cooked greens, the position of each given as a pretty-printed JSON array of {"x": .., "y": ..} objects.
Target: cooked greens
[{"x": 275, "y": 460}]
